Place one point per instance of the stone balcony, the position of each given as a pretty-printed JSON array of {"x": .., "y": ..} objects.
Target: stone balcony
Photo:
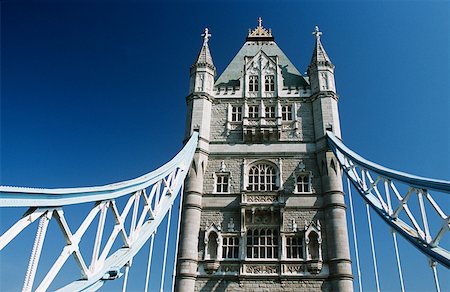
[{"x": 261, "y": 129}]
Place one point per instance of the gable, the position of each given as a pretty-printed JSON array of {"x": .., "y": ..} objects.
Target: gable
[{"x": 231, "y": 75}]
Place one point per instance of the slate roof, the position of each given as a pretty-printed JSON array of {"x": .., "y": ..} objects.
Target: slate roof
[
  {"x": 204, "y": 57},
  {"x": 234, "y": 71}
]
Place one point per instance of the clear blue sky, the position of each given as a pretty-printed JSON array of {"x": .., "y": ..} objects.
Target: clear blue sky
[{"x": 93, "y": 92}]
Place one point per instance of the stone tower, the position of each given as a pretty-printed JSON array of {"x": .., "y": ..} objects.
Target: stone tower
[{"x": 263, "y": 203}]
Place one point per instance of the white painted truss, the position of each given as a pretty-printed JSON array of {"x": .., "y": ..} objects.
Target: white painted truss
[
  {"x": 402, "y": 200},
  {"x": 147, "y": 201}
]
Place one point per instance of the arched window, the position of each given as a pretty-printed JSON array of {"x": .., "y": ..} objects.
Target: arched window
[
  {"x": 262, "y": 177},
  {"x": 269, "y": 83},
  {"x": 253, "y": 83},
  {"x": 303, "y": 184}
]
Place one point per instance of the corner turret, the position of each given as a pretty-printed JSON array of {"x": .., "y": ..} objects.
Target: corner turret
[
  {"x": 203, "y": 70},
  {"x": 320, "y": 69}
]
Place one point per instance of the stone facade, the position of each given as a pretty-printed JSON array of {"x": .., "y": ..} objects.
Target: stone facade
[{"x": 264, "y": 207}]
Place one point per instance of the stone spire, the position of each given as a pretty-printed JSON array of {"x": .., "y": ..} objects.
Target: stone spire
[
  {"x": 320, "y": 70},
  {"x": 203, "y": 70},
  {"x": 320, "y": 56},
  {"x": 204, "y": 58}
]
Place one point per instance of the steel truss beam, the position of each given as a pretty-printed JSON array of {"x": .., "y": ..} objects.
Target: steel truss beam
[
  {"x": 148, "y": 199},
  {"x": 376, "y": 183}
]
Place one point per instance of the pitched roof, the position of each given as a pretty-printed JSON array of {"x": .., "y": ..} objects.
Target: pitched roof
[
  {"x": 320, "y": 56},
  {"x": 234, "y": 71},
  {"x": 204, "y": 57}
]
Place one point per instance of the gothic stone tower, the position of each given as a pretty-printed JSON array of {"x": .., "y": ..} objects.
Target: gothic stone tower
[{"x": 263, "y": 203}]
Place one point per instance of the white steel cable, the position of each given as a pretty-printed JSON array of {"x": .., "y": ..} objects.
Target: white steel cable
[
  {"x": 165, "y": 249},
  {"x": 355, "y": 241},
  {"x": 436, "y": 278},
  {"x": 397, "y": 256},
  {"x": 374, "y": 258},
  {"x": 394, "y": 236},
  {"x": 150, "y": 254},
  {"x": 178, "y": 238},
  {"x": 149, "y": 262},
  {"x": 125, "y": 279}
]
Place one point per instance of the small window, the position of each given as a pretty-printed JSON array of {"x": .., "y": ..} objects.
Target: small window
[
  {"x": 236, "y": 113},
  {"x": 270, "y": 112},
  {"x": 294, "y": 247},
  {"x": 286, "y": 113},
  {"x": 253, "y": 111},
  {"x": 269, "y": 84},
  {"x": 230, "y": 247},
  {"x": 222, "y": 183},
  {"x": 253, "y": 83},
  {"x": 304, "y": 183},
  {"x": 262, "y": 243}
]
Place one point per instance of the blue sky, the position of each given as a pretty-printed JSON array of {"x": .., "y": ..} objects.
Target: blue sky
[{"x": 93, "y": 92}]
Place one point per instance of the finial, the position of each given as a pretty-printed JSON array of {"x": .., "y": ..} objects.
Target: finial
[
  {"x": 259, "y": 21},
  {"x": 317, "y": 32},
  {"x": 206, "y": 36}
]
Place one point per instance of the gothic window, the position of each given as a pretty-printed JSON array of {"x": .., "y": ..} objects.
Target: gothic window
[
  {"x": 270, "y": 112},
  {"x": 253, "y": 111},
  {"x": 236, "y": 114},
  {"x": 230, "y": 247},
  {"x": 262, "y": 243},
  {"x": 303, "y": 184},
  {"x": 253, "y": 83},
  {"x": 286, "y": 113},
  {"x": 262, "y": 177},
  {"x": 294, "y": 247},
  {"x": 222, "y": 183},
  {"x": 269, "y": 83}
]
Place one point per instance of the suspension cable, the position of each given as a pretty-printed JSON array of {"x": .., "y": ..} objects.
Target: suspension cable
[
  {"x": 436, "y": 278},
  {"x": 394, "y": 236},
  {"x": 125, "y": 279},
  {"x": 374, "y": 258},
  {"x": 165, "y": 249},
  {"x": 355, "y": 241},
  {"x": 149, "y": 262},
  {"x": 178, "y": 237}
]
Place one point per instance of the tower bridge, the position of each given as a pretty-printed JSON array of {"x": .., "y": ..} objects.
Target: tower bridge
[{"x": 256, "y": 195}]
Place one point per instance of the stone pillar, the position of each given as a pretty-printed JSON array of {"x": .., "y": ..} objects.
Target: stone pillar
[
  {"x": 190, "y": 226},
  {"x": 339, "y": 262}
]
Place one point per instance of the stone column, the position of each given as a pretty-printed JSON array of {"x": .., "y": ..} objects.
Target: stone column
[
  {"x": 190, "y": 226},
  {"x": 339, "y": 262}
]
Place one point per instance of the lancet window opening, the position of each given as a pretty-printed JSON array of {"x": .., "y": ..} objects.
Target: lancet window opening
[
  {"x": 269, "y": 84},
  {"x": 236, "y": 113},
  {"x": 286, "y": 113},
  {"x": 253, "y": 83},
  {"x": 253, "y": 111}
]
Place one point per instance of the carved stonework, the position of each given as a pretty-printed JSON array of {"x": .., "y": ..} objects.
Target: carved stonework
[
  {"x": 261, "y": 198},
  {"x": 293, "y": 268},
  {"x": 229, "y": 268},
  {"x": 261, "y": 269}
]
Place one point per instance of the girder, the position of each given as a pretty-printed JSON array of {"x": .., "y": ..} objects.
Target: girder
[
  {"x": 147, "y": 201},
  {"x": 400, "y": 211}
]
